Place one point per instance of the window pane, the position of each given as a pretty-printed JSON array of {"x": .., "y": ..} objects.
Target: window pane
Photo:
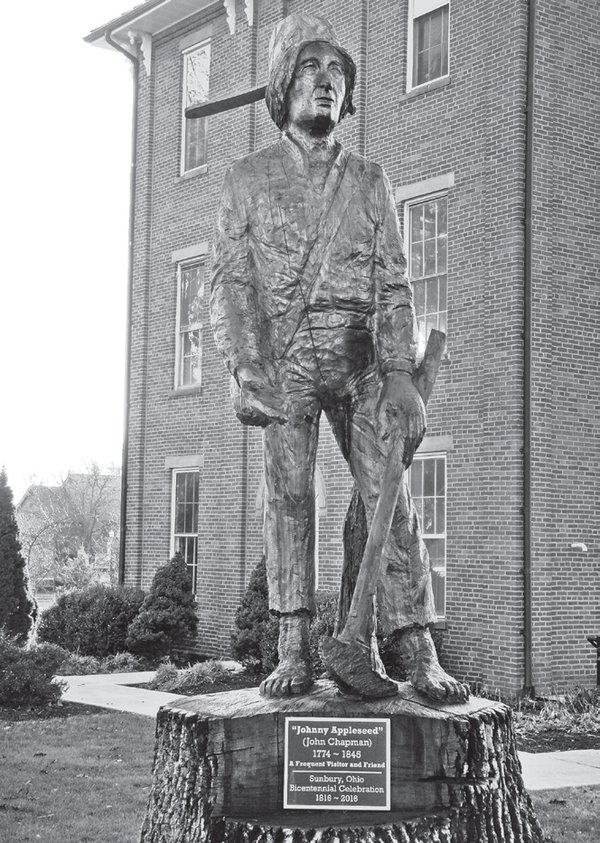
[
  {"x": 430, "y": 209},
  {"x": 428, "y": 524},
  {"x": 430, "y": 502},
  {"x": 416, "y": 259},
  {"x": 429, "y": 268},
  {"x": 195, "y": 142},
  {"x": 416, "y": 223},
  {"x": 191, "y": 292},
  {"x": 185, "y": 519},
  {"x": 428, "y": 477},
  {"x": 416, "y": 478},
  {"x": 440, "y": 515},
  {"x": 432, "y": 295},
  {"x": 440, "y": 477},
  {"x": 419, "y": 297},
  {"x": 196, "y": 68},
  {"x": 430, "y": 46},
  {"x": 429, "y": 296}
]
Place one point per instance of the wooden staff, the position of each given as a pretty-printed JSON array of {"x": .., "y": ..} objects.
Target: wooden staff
[{"x": 348, "y": 657}]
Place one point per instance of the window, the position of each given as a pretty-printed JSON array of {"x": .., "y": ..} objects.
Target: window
[
  {"x": 196, "y": 67},
  {"x": 427, "y": 235},
  {"x": 427, "y": 41},
  {"x": 427, "y": 479},
  {"x": 186, "y": 486},
  {"x": 189, "y": 331}
]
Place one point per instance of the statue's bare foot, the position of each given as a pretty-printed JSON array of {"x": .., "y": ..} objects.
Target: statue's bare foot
[
  {"x": 424, "y": 670},
  {"x": 356, "y": 670},
  {"x": 292, "y": 676},
  {"x": 289, "y": 678}
]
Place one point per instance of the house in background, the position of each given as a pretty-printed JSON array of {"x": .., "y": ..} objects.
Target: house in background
[
  {"x": 70, "y": 532},
  {"x": 485, "y": 118}
]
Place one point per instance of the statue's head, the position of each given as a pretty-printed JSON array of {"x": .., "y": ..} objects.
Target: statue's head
[{"x": 293, "y": 35}]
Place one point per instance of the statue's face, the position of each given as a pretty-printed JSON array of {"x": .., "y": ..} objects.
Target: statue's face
[{"x": 316, "y": 94}]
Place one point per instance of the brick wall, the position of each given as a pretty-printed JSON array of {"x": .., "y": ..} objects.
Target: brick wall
[{"x": 566, "y": 344}]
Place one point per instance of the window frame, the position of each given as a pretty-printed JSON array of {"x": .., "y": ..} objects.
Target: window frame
[
  {"x": 186, "y": 123},
  {"x": 409, "y": 204},
  {"x": 438, "y": 535},
  {"x": 416, "y": 10},
  {"x": 175, "y": 472},
  {"x": 182, "y": 266}
]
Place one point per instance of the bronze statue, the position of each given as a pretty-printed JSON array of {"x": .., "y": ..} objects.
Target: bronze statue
[{"x": 312, "y": 311}]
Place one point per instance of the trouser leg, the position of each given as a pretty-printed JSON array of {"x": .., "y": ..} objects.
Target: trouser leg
[
  {"x": 405, "y": 596},
  {"x": 289, "y": 529}
]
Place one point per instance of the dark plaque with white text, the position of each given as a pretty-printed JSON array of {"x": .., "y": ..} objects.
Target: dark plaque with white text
[{"x": 337, "y": 763}]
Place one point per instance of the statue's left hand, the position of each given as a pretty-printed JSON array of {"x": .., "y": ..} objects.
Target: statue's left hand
[{"x": 401, "y": 412}]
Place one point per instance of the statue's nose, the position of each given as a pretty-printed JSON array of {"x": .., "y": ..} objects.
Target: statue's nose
[{"x": 324, "y": 80}]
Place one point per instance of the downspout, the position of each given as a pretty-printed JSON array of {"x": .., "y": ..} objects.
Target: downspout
[
  {"x": 135, "y": 65},
  {"x": 528, "y": 686}
]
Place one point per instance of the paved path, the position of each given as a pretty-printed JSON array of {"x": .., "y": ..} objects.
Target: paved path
[{"x": 541, "y": 771}]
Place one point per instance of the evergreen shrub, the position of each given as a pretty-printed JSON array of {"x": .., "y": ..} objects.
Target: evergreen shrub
[
  {"x": 167, "y": 614},
  {"x": 255, "y": 635},
  {"x": 92, "y": 622},
  {"x": 256, "y": 630},
  {"x": 18, "y": 609},
  {"x": 26, "y": 674}
]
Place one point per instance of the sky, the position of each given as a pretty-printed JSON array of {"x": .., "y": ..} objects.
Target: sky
[{"x": 65, "y": 144}]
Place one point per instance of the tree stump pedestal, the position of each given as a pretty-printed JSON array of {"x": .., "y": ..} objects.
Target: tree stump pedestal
[{"x": 219, "y": 773}]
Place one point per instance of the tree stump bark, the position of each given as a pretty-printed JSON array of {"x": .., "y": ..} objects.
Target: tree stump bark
[{"x": 219, "y": 761}]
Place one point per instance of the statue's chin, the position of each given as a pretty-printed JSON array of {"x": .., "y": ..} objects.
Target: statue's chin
[{"x": 322, "y": 125}]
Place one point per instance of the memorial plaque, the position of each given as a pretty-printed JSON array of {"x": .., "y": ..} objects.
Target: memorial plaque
[{"x": 337, "y": 763}]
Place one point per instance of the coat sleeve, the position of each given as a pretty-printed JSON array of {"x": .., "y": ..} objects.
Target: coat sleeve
[
  {"x": 233, "y": 301},
  {"x": 395, "y": 317}
]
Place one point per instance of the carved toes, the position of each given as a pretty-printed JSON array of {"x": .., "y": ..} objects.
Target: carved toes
[{"x": 286, "y": 680}]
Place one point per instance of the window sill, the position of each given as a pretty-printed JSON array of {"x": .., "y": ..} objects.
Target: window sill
[
  {"x": 444, "y": 82},
  {"x": 441, "y": 624},
  {"x": 185, "y": 390},
  {"x": 191, "y": 174}
]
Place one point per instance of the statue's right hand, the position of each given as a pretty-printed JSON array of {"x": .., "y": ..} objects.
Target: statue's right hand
[{"x": 259, "y": 402}]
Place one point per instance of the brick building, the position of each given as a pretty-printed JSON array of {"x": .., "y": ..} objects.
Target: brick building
[{"x": 485, "y": 118}]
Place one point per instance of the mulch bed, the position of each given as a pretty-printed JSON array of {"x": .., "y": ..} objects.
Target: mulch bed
[{"x": 556, "y": 741}]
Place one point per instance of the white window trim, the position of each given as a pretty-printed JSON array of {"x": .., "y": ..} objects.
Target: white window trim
[
  {"x": 432, "y": 455},
  {"x": 417, "y": 8},
  {"x": 184, "y": 51},
  {"x": 185, "y": 264},
  {"x": 190, "y": 469},
  {"x": 408, "y": 204}
]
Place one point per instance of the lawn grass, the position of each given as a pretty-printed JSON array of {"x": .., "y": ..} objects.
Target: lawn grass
[
  {"x": 86, "y": 779},
  {"x": 569, "y": 815},
  {"x": 81, "y": 779}
]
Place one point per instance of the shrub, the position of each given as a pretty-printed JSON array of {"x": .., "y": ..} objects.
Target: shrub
[
  {"x": 77, "y": 665},
  {"x": 256, "y": 631},
  {"x": 18, "y": 609},
  {"x": 322, "y": 625},
  {"x": 166, "y": 677},
  {"x": 167, "y": 613},
  {"x": 121, "y": 663},
  {"x": 196, "y": 679},
  {"x": 26, "y": 675},
  {"x": 255, "y": 636},
  {"x": 92, "y": 622}
]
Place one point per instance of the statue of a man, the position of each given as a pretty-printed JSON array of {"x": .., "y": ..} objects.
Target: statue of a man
[{"x": 312, "y": 311}]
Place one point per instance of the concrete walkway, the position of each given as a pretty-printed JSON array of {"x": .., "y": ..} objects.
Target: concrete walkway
[{"x": 541, "y": 771}]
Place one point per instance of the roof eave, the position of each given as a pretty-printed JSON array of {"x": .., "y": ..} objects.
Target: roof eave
[{"x": 150, "y": 18}]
